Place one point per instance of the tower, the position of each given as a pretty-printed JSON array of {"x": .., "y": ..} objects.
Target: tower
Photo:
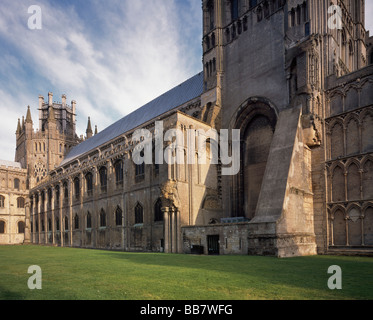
[{"x": 40, "y": 151}]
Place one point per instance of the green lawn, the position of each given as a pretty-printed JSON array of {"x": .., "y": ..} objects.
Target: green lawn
[{"x": 89, "y": 274}]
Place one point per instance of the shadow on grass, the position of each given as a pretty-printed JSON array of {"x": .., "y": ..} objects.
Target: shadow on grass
[{"x": 301, "y": 273}]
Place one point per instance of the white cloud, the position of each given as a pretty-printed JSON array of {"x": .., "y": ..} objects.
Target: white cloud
[{"x": 125, "y": 54}]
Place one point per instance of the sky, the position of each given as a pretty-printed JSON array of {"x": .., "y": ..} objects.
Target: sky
[{"x": 110, "y": 56}]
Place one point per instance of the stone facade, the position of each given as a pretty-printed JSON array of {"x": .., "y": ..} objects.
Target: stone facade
[
  {"x": 13, "y": 201},
  {"x": 299, "y": 91}
]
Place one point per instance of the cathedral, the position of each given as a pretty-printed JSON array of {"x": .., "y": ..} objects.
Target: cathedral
[{"x": 293, "y": 77}]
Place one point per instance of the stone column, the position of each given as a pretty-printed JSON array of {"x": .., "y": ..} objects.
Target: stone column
[
  {"x": 27, "y": 238},
  {"x": 39, "y": 213},
  {"x": 173, "y": 223},
  {"x": 167, "y": 244},
  {"x": 52, "y": 214}
]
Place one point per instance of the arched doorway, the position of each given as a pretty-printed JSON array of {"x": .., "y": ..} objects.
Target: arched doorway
[{"x": 256, "y": 120}]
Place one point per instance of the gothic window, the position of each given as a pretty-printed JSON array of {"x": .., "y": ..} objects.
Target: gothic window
[
  {"x": 118, "y": 216},
  {"x": 49, "y": 224},
  {"x": 65, "y": 191},
  {"x": 20, "y": 202},
  {"x": 2, "y": 202},
  {"x": 158, "y": 213},
  {"x": 119, "y": 172},
  {"x": 77, "y": 188},
  {"x": 252, "y": 3},
  {"x": 339, "y": 228},
  {"x": 245, "y": 24},
  {"x": 338, "y": 185},
  {"x": 234, "y": 9},
  {"x": 266, "y": 9},
  {"x": 16, "y": 184},
  {"x": 305, "y": 11},
  {"x": 207, "y": 42},
  {"x": 336, "y": 141},
  {"x": 89, "y": 183},
  {"x": 2, "y": 227},
  {"x": 368, "y": 179},
  {"x": 292, "y": 17},
  {"x": 49, "y": 196},
  {"x": 211, "y": 13},
  {"x": 367, "y": 133},
  {"x": 213, "y": 40},
  {"x": 139, "y": 214},
  {"x": 76, "y": 222},
  {"x": 140, "y": 169},
  {"x": 89, "y": 220},
  {"x": 21, "y": 227},
  {"x": 42, "y": 225},
  {"x": 66, "y": 223},
  {"x": 58, "y": 224},
  {"x": 102, "y": 218},
  {"x": 58, "y": 194},
  {"x": 103, "y": 178},
  {"x": 353, "y": 182},
  {"x": 40, "y": 171},
  {"x": 298, "y": 15},
  {"x": 352, "y": 137}
]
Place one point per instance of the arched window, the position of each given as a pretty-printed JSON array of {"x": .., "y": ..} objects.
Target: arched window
[
  {"x": 76, "y": 222},
  {"x": 234, "y": 9},
  {"x": 139, "y": 214},
  {"x": 65, "y": 191},
  {"x": 158, "y": 213},
  {"x": 252, "y": 3},
  {"x": 57, "y": 224},
  {"x": 119, "y": 172},
  {"x": 118, "y": 216},
  {"x": 298, "y": 15},
  {"x": 49, "y": 224},
  {"x": 50, "y": 196},
  {"x": 16, "y": 184},
  {"x": 292, "y": 17},
  {"x": 58, "y": 194},
  {"x": 140, "y": 169},
  {"x": 2, "y": 227},
  {"x": 266, "y": 9},
  {"x": 76, "y": 188},
  {"x": 89, "y": 220},
  {"x": 20, "y": 202},
  {"x": 89, "y": 183},
  {"x": 66, "y": 223},
  {"x": 211, "y": 14},
  {"x": 21, "y": 227},
  {"x": 103, "y": 178},
  {"x": 2, "y": 202},
  {"x": 102, "y": 218}
]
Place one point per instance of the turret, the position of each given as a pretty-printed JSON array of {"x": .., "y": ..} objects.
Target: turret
[{"x": 89, "y": 131}]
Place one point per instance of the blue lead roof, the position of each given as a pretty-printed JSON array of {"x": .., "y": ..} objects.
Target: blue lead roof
[{"x": 172, "y": 99}]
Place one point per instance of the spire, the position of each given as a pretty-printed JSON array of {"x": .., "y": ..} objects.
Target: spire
[
  {"x": 18, "y": 127},
  {"x": 89, "y": 131},
  {"x": 28, "y": 115}
]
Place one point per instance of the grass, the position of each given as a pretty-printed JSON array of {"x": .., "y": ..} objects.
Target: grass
[{"x": 78, "y": 274}]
